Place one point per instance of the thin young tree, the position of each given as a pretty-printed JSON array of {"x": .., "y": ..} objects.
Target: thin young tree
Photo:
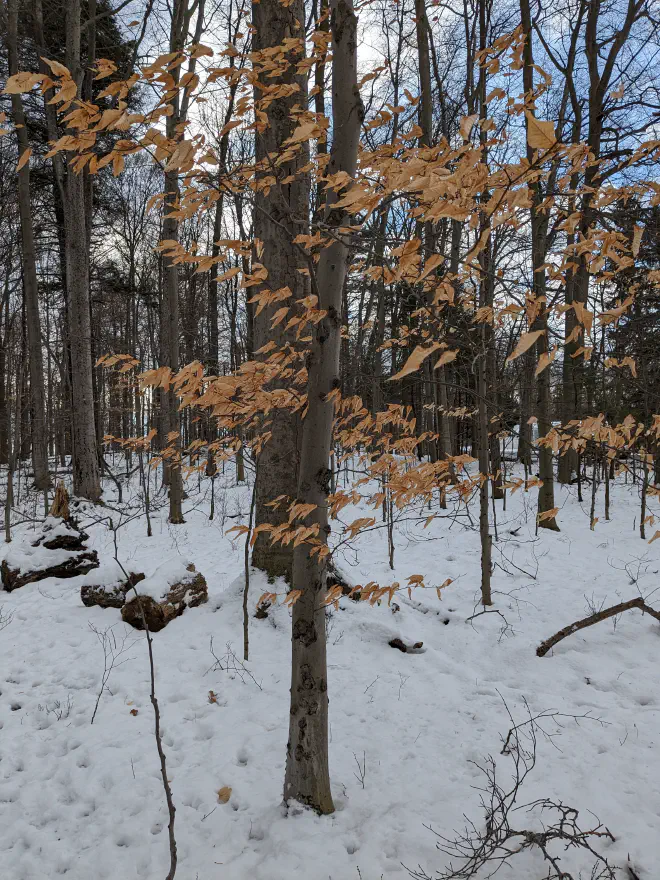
[
  {"x": 307, "y": 775},
  {"x": 539, "y": 220},
  {"x": 169, "y": 312}
]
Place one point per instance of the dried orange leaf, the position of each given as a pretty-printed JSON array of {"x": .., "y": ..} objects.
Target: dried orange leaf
[
  {"x": 540, "y": 133},
  {"x": 25, "y": 157},
  {"x": 224, "y": 794},
  {"x": 525, "y": 342},
  {"x": 414, "y": 362},
  {"x": 548, "y": 514},
  {"x": 545, "y": 360}
]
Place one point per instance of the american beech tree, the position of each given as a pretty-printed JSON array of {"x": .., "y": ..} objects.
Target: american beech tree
[{"x": 462, "y": 225}]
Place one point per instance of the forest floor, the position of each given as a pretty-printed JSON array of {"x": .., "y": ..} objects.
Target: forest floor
[{"x": 408, "y": 734}]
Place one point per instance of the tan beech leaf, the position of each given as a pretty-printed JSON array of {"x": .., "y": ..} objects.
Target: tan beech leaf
[
  {"x": 630, "y": 362},
  {"x": 431, "y": 263},
  {"x": 445, "y": 358},
  {"x": 303, "y": 132},
  {"x": 655, "y": 537},
  {"x": 233, "y": 124},
  {"x": 224, "y": 794},
  {"x": 548, "y": 514},
  {"x": 526, "y": 341},
  {"x": 22, "y": 82},
  {"x": 545, "y": 360},
  {"x": 230, "y": 273},
  {"x": 637, "y": 239},
  {"x": 57, "y": 68},
  {"x": 25, "y": 158},
  {"x": 467, "y": 124},
  {"x": 540, "y": 133},
  {"x": 414, "y": 362},
  {"x": 200, "y": 49}
]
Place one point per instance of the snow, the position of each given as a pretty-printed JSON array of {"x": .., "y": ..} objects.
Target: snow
[
  {"x": 85, "y": 801},
  {"x": 30, "y": 554},
  {"x": 56, "y": 527},
  {"x": 173, "y": 571},
  {"x": 109, "y": 575},
  {"x": 25, "y": 557}
]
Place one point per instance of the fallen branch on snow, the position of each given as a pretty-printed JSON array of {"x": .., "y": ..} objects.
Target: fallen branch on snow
[{"x": 638, "y": 602}]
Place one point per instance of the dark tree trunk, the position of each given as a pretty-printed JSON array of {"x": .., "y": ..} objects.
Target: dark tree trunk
[
  {"x": 279, "y": 216},
  {"x": 39, "y": 434}
]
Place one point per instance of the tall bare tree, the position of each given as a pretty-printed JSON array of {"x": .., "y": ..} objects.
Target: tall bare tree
[
  {"x": 539, "y": 221},
  {"x": 29, "y": 262},
  {"x": 182, "y": 12},
  {"x": 86, "y": 476},
  {"x": 307, "y": 776},
  {"x": 280, "y": 213}
]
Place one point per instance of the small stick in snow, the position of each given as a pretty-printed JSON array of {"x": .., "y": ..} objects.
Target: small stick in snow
[{"x": 637, "y": 602}]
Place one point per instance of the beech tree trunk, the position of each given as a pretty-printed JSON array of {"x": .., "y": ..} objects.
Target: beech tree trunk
[
  {"x": 539, "y": 226},
  {"x": 169, "y": 315},
  {"x": 29, "y": 262},
  {"x": 86, "y": 477},
  {"x": 438, "y": 421},
  {"x": 307, "y": 775},
  {"x": 485, "y": 355},
  {"x": 5, "y": 413},
  {"x": 279, "y": 215}
]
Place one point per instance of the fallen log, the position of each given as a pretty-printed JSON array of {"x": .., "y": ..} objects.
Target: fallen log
[
  {"x": 170, "y": 590},
  {"x": 638, "y": 602}
]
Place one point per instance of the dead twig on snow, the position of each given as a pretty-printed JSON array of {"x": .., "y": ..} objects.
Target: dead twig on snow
[{"x": 637, "y": 602}]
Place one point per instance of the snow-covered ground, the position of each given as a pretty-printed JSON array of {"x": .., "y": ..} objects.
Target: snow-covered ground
[{"x": 407, "y": 730}]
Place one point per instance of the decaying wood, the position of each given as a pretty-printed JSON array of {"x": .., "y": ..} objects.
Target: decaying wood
[
  {"x": 72, "y": 566},
  {"x": 400, "y": 645},
  {"x": 60, "y": 505},
  {"x": 638, "y": 602}
]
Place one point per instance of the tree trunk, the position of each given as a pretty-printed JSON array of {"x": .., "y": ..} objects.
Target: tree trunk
[
  {"x": 86, "y": 478},
  {"x": 5, "y": 413},
  {"x": 169, "y": 328},
  {"x": 29, "y": 261},
  {"x": 539, "y": 227},
  {"x": 279, "y": 216},
  {"x": 169, "y": 315},
  {"x": 307, "y": 776}
]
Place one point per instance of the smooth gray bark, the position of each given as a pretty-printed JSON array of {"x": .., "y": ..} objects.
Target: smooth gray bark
[
  {"x": 307, "y": 775},
  {"x": 169, "y": 314},
  {"x": 86, "y": 477},
  {"x": 539, "y": 225}
]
